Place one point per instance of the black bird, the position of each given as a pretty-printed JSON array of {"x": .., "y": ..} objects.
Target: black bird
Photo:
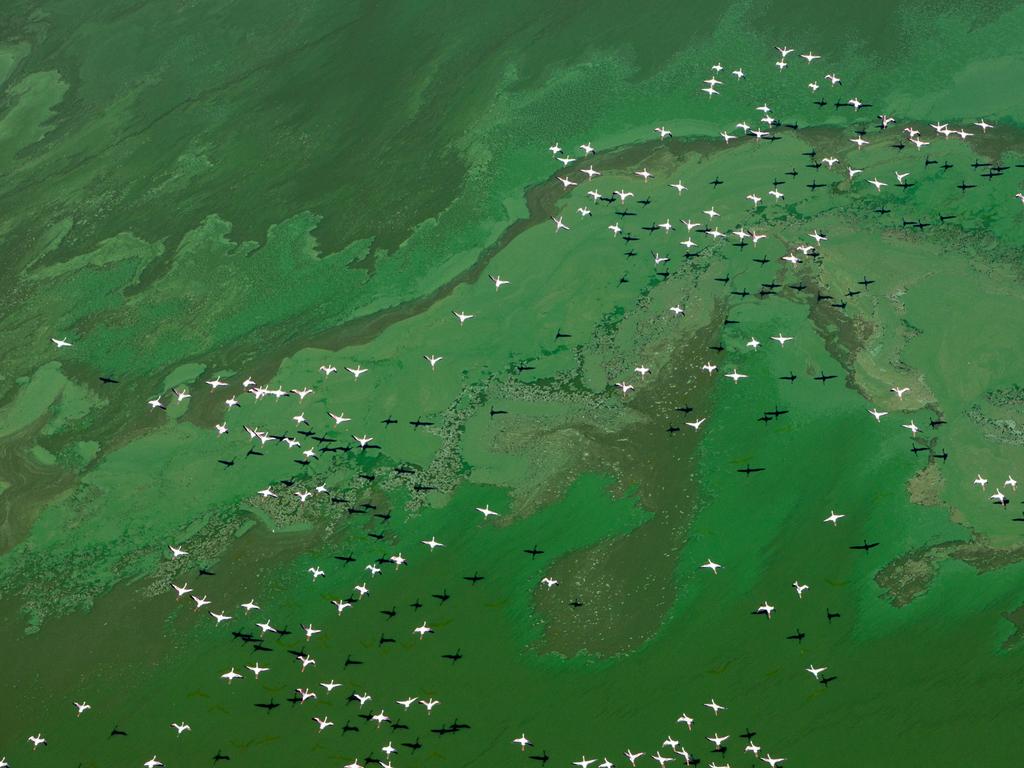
[
  {"x": 792, "y": 173},
  {"x": 575, "y": 603},
  {"x": 115, "y": 731},
  {"x": 349, "y": 661},
  {"x": 883, "y": 210},
  {"x": 108, "y": 380},
  {"x": 391, "y": 613},
  {"x": 228, "y": 464},
  {"x": 826, "y": 680},
  {"x": 413, "y": 745},
  {"x": 543, "y": 758},
  {"x": 942, "y": 455},
  {"x": 204, "y": 572},
  {"x": 474, "y": 578},
  {"x": 496, "y": 413},
  {"x": 936, "y": 422},
  {"x": 797, "y": 286},
  {"x": 560, "y": 335},
  {"x": 716, "y": 182},
  {"x": 683, "y": 408},
  {"x": 672, "y": 429},
  {"x": 523, "y": 368},
  {"x": 384, "y": 640},
  {"x": 270, "y": 706},
  {"x": 963, "y": 186},
  {"x": 865, "y": 546},
  {"x": 829, "y": 615},
  {"x": 749, "y": 735},
  {"x": 349, "y": 728},
  {"x": 417, "y": 605},
  {"x": 220, "y": 756},
  {"x": 814, "y": 185},
  {"x": 865, "y": 282},
  {"x": 453, "y": 657},
  {"x": 748, "y": 470},
  {"x": 791, "y": 378},
  {"x": 798, "y": 636},
  {"x": 389, "y": 421},
  {"x": 420, "y": 423},
  {"x": 822, "y": 377},
  {"x": 533, "y": 552},
  {"x": 444, "y": 597}
]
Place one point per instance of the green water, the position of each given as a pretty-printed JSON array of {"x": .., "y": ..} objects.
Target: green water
[{"x": 236, "y": 190}]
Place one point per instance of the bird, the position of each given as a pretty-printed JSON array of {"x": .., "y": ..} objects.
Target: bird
[
  {"x": 712, "y": 566},
  {"x": 816, "y": 671},
  {"x": 877, "y": 413},
  {"x": 486, "y": 511},
  {"x": 463, "y": 317},
  {"x": 181, "y": 727},
  {"x": 153, "y": 762},
  {"x": 433, "y": 360},
  {"x": 800, "y": 589},
  {"x": 176, "y": 552},
  {"x": 81, "y": 707},
  {"x": 833, "y": 518},
  {"x": 523, "y": 742}
]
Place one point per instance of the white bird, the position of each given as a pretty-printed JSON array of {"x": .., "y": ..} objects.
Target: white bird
[
  {"x": 914, "y": 429},
  {"x": 816, "y": 671},
  {"x": 422, "y": 630},
  {"x": 62, "y": 342},
  {"x": 342, "y": 418},
  {"x": 221, "y": 428},
  {"x": 176, "y": 553},
  {"x": 677, "y": 310},
  {"x": 433, "y": 360},
  {"x": 663, "y": 132},
  {"x": 429, "y": 704},
  {"x": 523, "y": 742},
  {"x": 735, "y": 376},
  {"x": 1011, "y": 482},
  {"x": 82, "y": 707},
  {"x": 432, "y": 543},
  {"x": 712, "y": 566},
  {"x": 766, "y": 609},
  {"x": 498, "y": 282},
  {"x": 709, "y": 367},
  {"x": 633, "y": 756},
  {"x": 357, "y": 371},
  {"x": 800, "y": 589},
  {"x": 644, "y": 174},
  {"x": 230, "y": 675},
  {"x": 715, "y": 707},
  {"x": 152, "y": 763},
  {"x": 548, "y": 582},
  {"x": 182, "y": 590},
  {"x": 323, "y": 722},
  {"x": 250, "y": 606},
  {"x": 877, "y": 413},
  {"x": 772, "y": 761},
  {"x": 982, "y": 481},
  {"x": 181, "y": 727},
  {"x": 220, "y": 617},
  {"x": 257, "y": 670},
  {"x": 678, "y": 187},
  {"x": 833, "y": 518},
  {"x": 753, "y": 343},
  {"x": 200, "y": 601},
  {"x": 686, "y": 720},
  {"x": 486, "y": 511},
  {"x": 900, "y": 391},
  {"x": 316, "y": 571},
  {"x": 624, "y": 386},
  {"x": 782, "y": 339},
  {"x": 327, "y": 369},
  {"x": 363, "y": 441},
  {"x": 696, "y": 424}
]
